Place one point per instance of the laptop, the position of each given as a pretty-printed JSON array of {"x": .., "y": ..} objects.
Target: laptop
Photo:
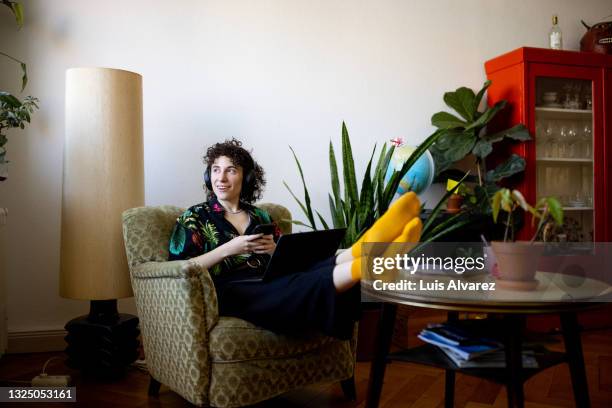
[{"x": 297, "y": 252}]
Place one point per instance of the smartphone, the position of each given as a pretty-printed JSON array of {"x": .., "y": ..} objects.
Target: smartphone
[{"x": 266, "y": 229}]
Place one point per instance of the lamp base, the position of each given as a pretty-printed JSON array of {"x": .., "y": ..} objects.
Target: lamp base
[{"x": 103, "y": 343}]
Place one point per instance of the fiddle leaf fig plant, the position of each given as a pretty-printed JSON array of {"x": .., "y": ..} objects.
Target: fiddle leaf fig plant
[{"x": 467, "y": 134}]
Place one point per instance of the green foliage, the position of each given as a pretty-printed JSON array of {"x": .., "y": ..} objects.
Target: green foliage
[
  {"x": 467, "y": 134},
  {"x": 351, "y": 207},
  {"x": 13, "y": 114},
  {"x": 17, "y": 10},
  {"x": 509, "y": 201}
]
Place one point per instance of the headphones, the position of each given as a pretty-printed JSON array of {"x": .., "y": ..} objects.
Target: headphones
[{"x": 248, "y": 180}]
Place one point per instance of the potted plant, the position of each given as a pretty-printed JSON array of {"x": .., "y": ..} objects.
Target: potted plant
[
  {"x": 459, "y": 194},
  {"x": 517, "y": 261},
  {"x": 357, "y": 208},
  {"x": 14, "y": 113}
]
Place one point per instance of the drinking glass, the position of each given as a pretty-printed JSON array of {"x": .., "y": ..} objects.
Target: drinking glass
[
  {"x": 586, "y": 139},
  {"x": 552, "y": 146},
  {"x": 572, "y": 144},
  {"x": 563, "y": 140}
]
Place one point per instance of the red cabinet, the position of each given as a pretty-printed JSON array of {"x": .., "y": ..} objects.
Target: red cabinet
[{"x": 565, "y": 99}]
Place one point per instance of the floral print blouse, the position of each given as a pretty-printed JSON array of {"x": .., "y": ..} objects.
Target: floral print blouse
[{"x": 203, "y": 227}]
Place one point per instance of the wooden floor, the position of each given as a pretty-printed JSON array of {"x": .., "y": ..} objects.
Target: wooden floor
[{"x": 406, "y": 385}]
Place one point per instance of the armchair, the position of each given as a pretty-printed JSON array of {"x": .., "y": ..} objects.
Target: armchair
[{"x": 209, "y": 359}]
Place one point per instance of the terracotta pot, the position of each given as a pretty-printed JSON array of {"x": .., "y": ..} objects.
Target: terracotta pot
[
  {"x": 517, "y": 262},
  {"x": 453, "y": 205}
]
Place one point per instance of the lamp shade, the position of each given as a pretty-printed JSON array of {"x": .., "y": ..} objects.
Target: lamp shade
[{"x": 103, "y": 176}]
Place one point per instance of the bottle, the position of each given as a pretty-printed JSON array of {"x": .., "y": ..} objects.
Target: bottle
[{"x": 555, "y": 38}]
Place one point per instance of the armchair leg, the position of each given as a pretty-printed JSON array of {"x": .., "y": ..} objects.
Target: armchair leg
[
  {"x": 349, "y": 389},
  {"x": 154, "y": 386}
]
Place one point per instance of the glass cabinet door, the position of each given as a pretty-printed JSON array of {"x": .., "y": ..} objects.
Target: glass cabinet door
[{"x": 564, "y": 154}]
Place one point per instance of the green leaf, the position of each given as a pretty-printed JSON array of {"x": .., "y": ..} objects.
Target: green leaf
[
  {"x": 487, "y": 116},
  {"x": 445, "y": 120},
  {"x": 300, "y": 223},
  {"x": 9, "y": 99},
  {"x": 336, "y": 212},
  {"x": 325, "y": 226},
  {"x": 496, "y": 204},
  {"x": 308, "y": 211},
  {"x": 518, "y": 132},
  {"x": 366, "y": 201},
  {"x": 333, "y": 170},
  {"x": 462, "y": 101},
  {"x": 513, "y": 165},
  {"x": 447, "y": 228},
  {"x": 480, "y": 95},
  {"x": 462, "y": 146},
  {"x": 482, "y": 148},
  {"x": 348, "y": 169},
  {"x": 556, "y": 210},
  {"x": 302, "y": 206},
  {"x": 507, "y": 203},
  {"x": 18, "y": 12},
  {"x": 24, "y": 76}
]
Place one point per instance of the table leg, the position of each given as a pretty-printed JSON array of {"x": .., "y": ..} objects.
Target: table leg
[
  {"x": 575, "y": 359},
  {"x": 449, "y": 378},
  {"x": 514, "y": 360},
  {"x": 383, "y": 342},
  {"x": 449, "y": 389}
]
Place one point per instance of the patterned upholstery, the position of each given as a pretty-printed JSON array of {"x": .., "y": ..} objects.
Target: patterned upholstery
[{"x": 207, "y": 359}]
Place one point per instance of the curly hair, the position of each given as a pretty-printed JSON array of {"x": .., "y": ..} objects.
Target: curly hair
[{"x": 240, "y": 157}]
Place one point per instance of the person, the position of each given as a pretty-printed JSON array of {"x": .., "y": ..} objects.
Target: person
[{"x": 218, "y": 235}]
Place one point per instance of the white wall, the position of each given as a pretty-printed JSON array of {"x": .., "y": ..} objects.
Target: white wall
[{"x": 272, "y": 73}]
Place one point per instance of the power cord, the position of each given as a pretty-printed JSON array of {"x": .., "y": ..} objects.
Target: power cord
[
  {"x": 42, "y": 375},
  {"x": 45, "y": 380}
]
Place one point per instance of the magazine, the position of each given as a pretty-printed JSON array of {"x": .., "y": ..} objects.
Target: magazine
[
  {"x": 466, "y": 352},
  {"x": 495, "y": 359}
]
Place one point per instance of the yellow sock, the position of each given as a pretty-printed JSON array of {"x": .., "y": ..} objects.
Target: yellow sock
[
  {"x": 356, "y": 268},
  {"x": 392, "y": 222},
  {"x": 412, "y": 231},
  {"x": 409, "y": 237}
]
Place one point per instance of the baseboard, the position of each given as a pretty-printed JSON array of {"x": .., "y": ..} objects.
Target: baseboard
[{"x": 36, "y": 341}]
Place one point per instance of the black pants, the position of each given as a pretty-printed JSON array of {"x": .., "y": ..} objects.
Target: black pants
[{"x": 294, "y": 304}]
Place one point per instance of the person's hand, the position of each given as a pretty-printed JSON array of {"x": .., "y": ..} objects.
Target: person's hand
[
  {"x": 264, "y": 245},
  {"x": 242, "y": 244}
]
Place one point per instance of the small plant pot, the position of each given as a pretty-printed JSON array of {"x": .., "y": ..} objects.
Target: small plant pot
[
  {"x": 453, "y": 205},
  {"x": 517, "y": 263}
]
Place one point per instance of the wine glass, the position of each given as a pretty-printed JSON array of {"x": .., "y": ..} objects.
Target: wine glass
[
  {"x": 552, "y": 146},
  {"x": 572, "y": 144},
  {"x": 586, "y": 139},
  {"x": 563, "y": 140}
]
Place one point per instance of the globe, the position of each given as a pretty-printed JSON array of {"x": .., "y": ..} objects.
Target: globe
[{"x": 419, "y": 177}]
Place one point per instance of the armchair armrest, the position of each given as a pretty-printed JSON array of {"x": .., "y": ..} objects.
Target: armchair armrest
[
  {"x": 170, "y": 269},
  {"x": 177, "y": 306},
  {"x": 193, "y": 275}
]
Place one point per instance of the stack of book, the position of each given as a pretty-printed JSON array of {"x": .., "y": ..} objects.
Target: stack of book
[{"x": 467, "y": 350}]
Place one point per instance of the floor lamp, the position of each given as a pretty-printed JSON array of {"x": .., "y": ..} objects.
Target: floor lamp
[{"x": 103, "y": 176}]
